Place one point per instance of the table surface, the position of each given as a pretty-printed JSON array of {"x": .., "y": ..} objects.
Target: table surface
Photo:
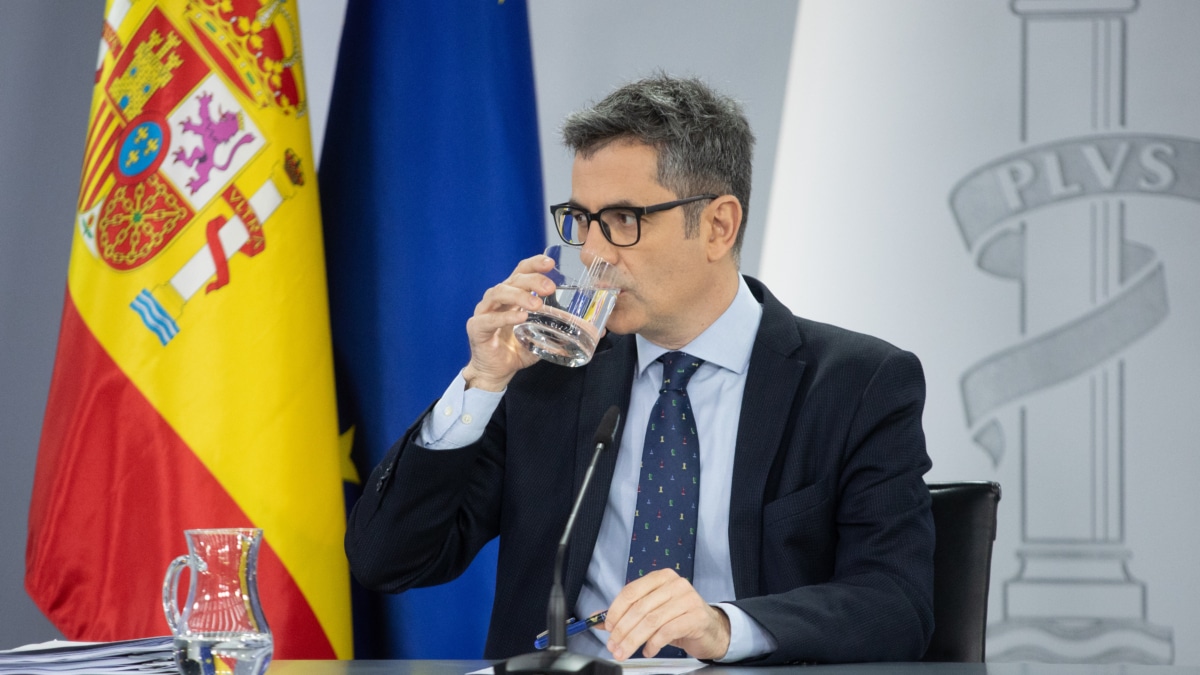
[{"x": 461, "y": 667}]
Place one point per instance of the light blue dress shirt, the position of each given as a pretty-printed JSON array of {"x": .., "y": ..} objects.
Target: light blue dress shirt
[{"x": 715, "y": 391}]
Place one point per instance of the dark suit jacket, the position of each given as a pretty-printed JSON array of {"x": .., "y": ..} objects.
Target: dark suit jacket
[{"x": 830, "y": 531}]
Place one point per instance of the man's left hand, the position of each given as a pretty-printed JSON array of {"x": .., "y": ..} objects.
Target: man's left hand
[{"x": 662, "y": 608}]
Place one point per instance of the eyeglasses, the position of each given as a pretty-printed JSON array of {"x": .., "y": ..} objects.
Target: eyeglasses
[{"x": 621, "y": 225}]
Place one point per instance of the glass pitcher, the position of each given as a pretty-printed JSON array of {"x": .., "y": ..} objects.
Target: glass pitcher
[{"x": 221, "y": 629}]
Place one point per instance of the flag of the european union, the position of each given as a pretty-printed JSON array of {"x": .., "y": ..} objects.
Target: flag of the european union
[{"x": 431, "y": 192}]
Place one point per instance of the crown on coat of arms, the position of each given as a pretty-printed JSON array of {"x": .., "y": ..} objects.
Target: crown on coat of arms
[{"x": 257, "y": 45}]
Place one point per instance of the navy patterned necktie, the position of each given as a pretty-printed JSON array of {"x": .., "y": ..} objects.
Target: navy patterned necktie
[{"x": 664, "y": 519}]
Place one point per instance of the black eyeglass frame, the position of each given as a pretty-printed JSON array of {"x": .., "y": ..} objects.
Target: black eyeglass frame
[{"x": 638, "y": 212}]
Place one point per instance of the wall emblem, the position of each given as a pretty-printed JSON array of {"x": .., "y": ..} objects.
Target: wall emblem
[{"x": 1058, "y": 217}]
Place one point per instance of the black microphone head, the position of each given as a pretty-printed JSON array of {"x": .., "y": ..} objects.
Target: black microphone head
[{"x": 606, "y": 433}]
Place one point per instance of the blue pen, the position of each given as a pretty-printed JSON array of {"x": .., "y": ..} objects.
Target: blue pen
[{"x": 574, "y": 627}]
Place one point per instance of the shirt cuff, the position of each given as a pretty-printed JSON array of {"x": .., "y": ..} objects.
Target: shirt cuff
[
  {"x": 459, "y": 418},
  {"x": 747, "y": 638}
]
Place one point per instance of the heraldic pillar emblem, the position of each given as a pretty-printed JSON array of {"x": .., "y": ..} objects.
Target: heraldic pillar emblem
[{"x": 1052, "y": 217}]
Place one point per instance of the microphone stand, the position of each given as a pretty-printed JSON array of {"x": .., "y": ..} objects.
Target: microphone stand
[{"x": 555, "y": 659}]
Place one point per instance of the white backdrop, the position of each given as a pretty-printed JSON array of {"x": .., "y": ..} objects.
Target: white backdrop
[{"x": 1009, "y": 189}]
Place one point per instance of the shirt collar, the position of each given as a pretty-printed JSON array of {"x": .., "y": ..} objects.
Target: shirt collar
[{"x": 727, "y": 343}]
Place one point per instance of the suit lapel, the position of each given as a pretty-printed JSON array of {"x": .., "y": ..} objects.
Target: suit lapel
[
  {"x": 607, "y": 381},
  {"x": 771, "y": 385}
]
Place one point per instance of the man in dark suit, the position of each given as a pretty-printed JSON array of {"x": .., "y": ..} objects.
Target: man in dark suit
[{"x": 807, "y": 534}]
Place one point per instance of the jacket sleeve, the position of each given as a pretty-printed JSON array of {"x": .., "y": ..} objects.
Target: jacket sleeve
[{"x": 425, "y": 514}]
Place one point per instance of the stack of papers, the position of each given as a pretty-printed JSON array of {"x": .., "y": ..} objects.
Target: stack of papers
[{"x": 146, "y": 655}]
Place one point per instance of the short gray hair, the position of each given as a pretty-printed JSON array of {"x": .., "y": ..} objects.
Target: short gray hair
[{"x": 703, "y": 140}]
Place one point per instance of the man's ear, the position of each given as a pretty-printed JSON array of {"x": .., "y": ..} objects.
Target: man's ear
[{"x": 724, "y": 215}]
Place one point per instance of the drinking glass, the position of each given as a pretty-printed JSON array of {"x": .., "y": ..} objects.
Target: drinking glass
[{"x": 571, "y": 320}]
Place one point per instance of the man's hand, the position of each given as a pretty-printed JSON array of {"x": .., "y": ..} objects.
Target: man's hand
[
  {"x": 662, "y": 608},
  {"x": 495, "y": 353}
]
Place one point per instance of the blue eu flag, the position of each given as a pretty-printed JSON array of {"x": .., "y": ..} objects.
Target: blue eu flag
[{"x": 431, "y": 192}]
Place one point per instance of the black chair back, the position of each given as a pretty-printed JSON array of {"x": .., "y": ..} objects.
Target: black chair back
[{"x": 964, "y": 517}]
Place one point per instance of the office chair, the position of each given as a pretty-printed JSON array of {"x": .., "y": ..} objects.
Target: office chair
[{"x": 964, "y": 518}]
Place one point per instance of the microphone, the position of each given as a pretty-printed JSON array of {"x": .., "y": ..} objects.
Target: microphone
[{"x": 555, "y": 658}]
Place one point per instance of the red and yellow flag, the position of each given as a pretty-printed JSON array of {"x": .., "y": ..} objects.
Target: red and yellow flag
[{"x": 193, "y": 385}]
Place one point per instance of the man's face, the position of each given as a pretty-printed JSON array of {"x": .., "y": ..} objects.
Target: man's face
[{"x": 662, "y": 276}]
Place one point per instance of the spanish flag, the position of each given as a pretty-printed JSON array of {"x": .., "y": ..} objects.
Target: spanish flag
[{"x": 193, "y": 384}]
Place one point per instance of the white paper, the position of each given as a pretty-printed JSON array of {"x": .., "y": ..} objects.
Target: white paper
[{"x": 640, "y": 667}]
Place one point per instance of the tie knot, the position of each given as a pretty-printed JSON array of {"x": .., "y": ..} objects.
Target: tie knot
[{"x": 678, "y": 368}]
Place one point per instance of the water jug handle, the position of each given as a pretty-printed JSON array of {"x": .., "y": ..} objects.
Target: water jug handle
[{"x": 171, "y": 593}]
